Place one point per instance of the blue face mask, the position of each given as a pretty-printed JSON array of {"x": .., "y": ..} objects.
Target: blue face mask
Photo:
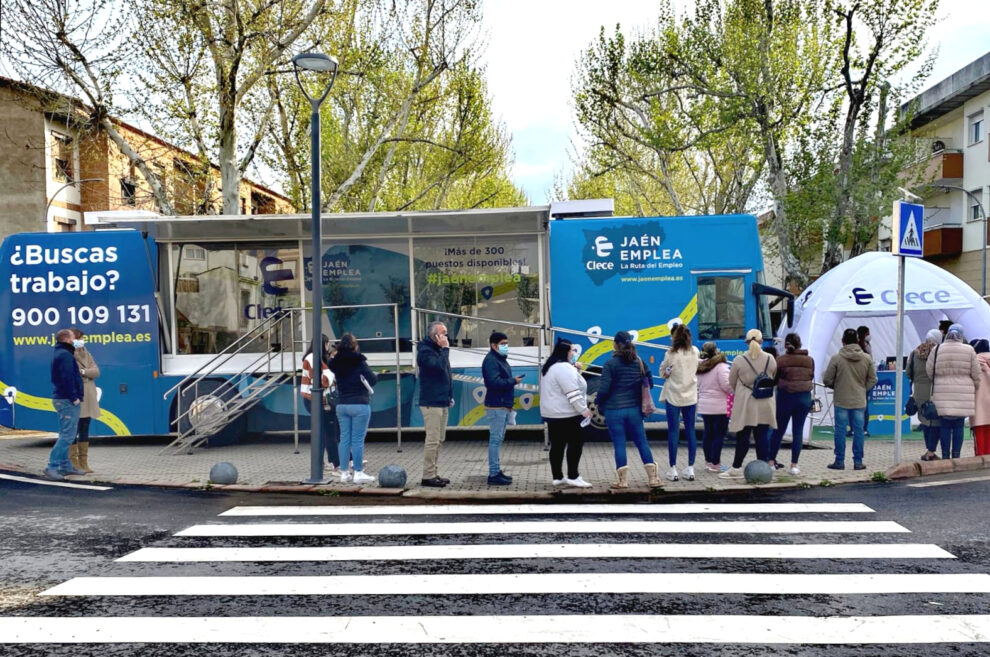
[
  {"x": 503, "y": 349},
  {"x": 574, "y": 358},
  {"x": 78, "y": 344}
]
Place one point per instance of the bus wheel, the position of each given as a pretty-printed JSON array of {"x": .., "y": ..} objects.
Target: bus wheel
[{"x": 597, "y": 427}]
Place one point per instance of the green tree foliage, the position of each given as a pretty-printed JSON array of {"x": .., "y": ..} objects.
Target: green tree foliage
[
  {"x": 408, "y": 124},
  {"x": 744, "y": 104}
]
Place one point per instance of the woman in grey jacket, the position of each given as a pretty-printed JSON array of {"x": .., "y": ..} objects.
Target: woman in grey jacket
[
  {"x": 563, "y": 403},
  {"x": 921, "y": 390}
]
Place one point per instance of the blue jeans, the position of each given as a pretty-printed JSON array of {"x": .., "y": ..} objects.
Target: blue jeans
[
  {"x": 716, "y": 426},
  {"x": 932, "y": 435},
  {"x": 792, "y": 407},
  {"x": 849, "y": 417},
  {"x": 627, "y": 424},
  {"x": 674, "y": 431},
  {"x": 68, "y": 424},
  {"x": 353, "y": 419},
  {"x": 497, "y": 420},
  {"x": 951, "y": 432}
]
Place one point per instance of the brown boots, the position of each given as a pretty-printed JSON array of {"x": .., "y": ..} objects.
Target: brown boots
[
  {"x": 621, "y": 477},
  {"x": 79, "y": 456},
  {"x": 651, "y": 474}
]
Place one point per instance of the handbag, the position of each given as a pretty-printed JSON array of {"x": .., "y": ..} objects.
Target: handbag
[
  {"x": 911, "y": 407},
  {"x": 646, "y": 396},
  {"x": 762, "y": 385},
  {"x": 928, "y": 410}
]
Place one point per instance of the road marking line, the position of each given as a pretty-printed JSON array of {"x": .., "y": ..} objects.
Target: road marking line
[
  {"x": 545, "y": 551},
  {"x": 527, "y": 584},
  {"x": 967, "y": 480},
  {"x": 542, "y": 509},
  {"x": 608, "y": 629},
  {"x": 548, "y": 527},
  {"x": 44, "y": 482}
]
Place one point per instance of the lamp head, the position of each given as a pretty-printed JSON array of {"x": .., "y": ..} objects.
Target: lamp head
[
  {"x": 315, "y": 61},
  {"x": 907, "y": 194}
]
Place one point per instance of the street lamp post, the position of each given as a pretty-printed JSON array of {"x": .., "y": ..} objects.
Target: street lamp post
[
  {"x": 318, "y": 63},
  {"x": 51, "y": 199}
]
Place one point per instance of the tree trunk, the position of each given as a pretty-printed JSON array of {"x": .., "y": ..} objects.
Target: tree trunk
[
  {"x": 230, "y": 175},
  {"x": 778, "y": 186}
]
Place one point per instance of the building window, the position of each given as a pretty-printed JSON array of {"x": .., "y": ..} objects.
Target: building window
[
  {"x": 976, "y": 128},
  {"x": 61, "y": 157},
  {"x": 128, "y": 192},
  {"x": 974, "y": 205},
  {"x": 195, "y": 253},
  {"x": 721, "y": 308}
]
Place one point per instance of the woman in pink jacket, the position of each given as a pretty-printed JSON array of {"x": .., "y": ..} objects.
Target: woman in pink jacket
[{"x": 713, "y": 395}]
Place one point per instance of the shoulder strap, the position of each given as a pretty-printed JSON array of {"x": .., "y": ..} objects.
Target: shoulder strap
[
  {"x": 766, "y": 364},
  {"x": 642, "y": 367},
  {"x": 934, "y": 365},
  {"x": 751, "y": 365}
]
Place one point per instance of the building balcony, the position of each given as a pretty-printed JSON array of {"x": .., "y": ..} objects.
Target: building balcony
[
  {"x": 943, "y": 241},
  {"x": 943, "y": 166}
]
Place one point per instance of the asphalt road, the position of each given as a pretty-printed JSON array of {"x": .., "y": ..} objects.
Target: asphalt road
[{"x": 881, "y": 571}]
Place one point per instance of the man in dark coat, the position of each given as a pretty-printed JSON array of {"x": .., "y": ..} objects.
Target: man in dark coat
[
  {"x": 500, "y": 396},
  {"x": 67, "y": 399},
  {"x": 436, "y": 396}
]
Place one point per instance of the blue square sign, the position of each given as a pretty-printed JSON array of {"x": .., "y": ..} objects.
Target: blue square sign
[{"x": 907, "y": 230}]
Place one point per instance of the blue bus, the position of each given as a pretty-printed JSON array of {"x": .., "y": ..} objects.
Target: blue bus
[{"x": 179, "y": 311}]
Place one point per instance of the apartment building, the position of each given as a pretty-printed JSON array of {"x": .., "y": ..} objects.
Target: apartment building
[
  {"x": 950, "y": 117},
  {"x": 45, "y": 146}
]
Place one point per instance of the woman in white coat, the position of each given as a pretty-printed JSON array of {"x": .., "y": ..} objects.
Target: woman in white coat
[
  {"x": 563, "y": 404},
  {"x": 679, "y": 370}
]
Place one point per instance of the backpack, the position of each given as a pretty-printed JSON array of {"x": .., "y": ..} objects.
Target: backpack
[{"x": 763, "y": 385}]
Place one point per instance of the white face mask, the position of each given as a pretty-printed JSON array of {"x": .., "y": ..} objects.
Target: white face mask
[{"x": 78, "y": 344}]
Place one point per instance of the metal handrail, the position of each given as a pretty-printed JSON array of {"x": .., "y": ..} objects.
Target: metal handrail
[{"x": 213, "y": 362}]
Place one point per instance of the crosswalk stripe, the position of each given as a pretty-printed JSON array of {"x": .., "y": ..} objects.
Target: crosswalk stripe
[
  {"x": 544, "y": 509},
  {"x": 548, "y": 527},
  {"x": 544, "y": 551},
  {"x": 538, "y": 629},
  {"x": 528, "y": 583}
]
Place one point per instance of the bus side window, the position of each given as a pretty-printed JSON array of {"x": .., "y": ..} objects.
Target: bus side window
[{"x": 721, "y": 308}]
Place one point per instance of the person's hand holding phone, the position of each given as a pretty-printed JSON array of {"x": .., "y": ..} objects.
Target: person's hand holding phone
[
  {"x": 520, "y": 378},
  {"x": 442, "y": 341}
]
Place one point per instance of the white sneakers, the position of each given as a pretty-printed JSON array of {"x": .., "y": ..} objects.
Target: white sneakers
[
  {"x": 577, "y": 482},
  {"x": 795, "y": 470},
  {"x": 732, "y": 473},
  {"x": 345, "y": 476},
  {"x": 361, "y": 478},
  {"x": 688, "y": 473},
  {"x": 672, "y": 473},
  {"x": 559, "y": 482}
]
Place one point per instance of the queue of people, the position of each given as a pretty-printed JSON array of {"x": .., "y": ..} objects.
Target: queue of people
[{"x": 756, "y": 399}]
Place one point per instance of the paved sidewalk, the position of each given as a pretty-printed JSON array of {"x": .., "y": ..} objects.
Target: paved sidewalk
[{"x": 274, "y": 466}]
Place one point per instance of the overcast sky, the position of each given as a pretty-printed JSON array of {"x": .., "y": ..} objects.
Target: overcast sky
[{"x": 533, "y": 44}]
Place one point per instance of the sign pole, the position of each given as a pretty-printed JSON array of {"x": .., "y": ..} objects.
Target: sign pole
[
  {"x": 907, "y": 240},
  {"x": 899, "y": 350}
]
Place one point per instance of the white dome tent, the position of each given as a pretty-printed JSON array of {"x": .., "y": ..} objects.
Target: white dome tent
[{"x": 863, "y": 291}]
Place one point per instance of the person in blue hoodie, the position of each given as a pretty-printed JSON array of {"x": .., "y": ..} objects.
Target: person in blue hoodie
[
  {"x": 67, "y": 399},
  {"x": 500, "y": 395}
]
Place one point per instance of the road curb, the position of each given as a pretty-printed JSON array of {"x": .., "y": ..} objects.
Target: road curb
[{"x": 942, "y": 466}]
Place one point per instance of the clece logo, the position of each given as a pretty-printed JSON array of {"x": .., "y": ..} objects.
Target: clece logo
[
  {"x": 272, "y": 273},
  {"x": 861, "y": 296},
  {"x": 628, "y": 249}
]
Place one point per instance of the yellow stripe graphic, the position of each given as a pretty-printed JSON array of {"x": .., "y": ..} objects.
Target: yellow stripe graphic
[
  {"x": 474, "y": 416},
  {"x": 645, "y": 335},
  {"x": 44, "y": 404}
]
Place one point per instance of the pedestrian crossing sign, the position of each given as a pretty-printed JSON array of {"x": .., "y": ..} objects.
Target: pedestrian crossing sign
[{"x": 907, "y": 230}]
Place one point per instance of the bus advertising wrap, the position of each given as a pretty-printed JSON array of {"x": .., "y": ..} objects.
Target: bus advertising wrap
[{"x": 101, "y": 283}]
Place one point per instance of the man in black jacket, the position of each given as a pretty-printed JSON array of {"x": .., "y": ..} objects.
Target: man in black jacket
[
  {"x": 500, "y": 394},
  {"x": 436, "y": 396},
  {"x": 66, "y": 398}
]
